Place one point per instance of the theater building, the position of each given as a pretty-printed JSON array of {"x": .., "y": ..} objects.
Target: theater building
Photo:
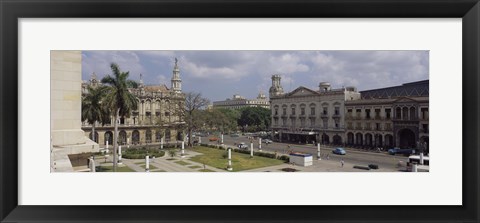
[{"x": 159, "y": 115}]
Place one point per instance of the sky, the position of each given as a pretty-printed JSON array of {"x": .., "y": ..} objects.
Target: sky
[{"x": 218, "y": 75}]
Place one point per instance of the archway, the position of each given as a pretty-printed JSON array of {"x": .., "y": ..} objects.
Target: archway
[
  {"x": 108, "y": 137},
  {"x": 148, "y": 136},
  {"x": 378, "y": 140},
  {"x": 368, "y": 139},
  {"x": 122, "y": 137},
  {"x": 179, "y": 136},
  {"x": 158, "y": 136},
  {"x": 350, "y": 138},
  {"x": 325, "y": 139},
  {"x": 167, "y": 135},
  {"x": 337, "y": 140},
  {"x": 389, "y": 141},
  {"x": 406, "y": 138},
  {"x": 135, "y": 137},
  {"x": 359, "y": 139},
  {"x": 96, "y": 136}
]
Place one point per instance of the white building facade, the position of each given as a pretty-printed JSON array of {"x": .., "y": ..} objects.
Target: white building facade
[{"x": 308, "y": 116}]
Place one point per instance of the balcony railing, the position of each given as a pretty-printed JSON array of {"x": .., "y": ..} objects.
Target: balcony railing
[
  {"x": 323, "y": 115},
  {"x": 336, "y": 116}
]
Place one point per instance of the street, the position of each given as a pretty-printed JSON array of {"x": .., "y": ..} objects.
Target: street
[{"x": 353, "y": 156}]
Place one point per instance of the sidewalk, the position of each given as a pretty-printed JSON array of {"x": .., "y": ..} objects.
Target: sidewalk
[{"x": 166, "y": 164}]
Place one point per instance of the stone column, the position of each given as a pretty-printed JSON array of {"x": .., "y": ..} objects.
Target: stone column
[
  {"x": 106, "y": 149},
  {"x": 229, "y": 167},
  {"x": 199, "y": 140},
  {"x": 91, "y": 164},
  {"x": 119, "y": 154},
  {"x": 251, "y": 149},
  {"x": 259, "y": 144},
  {"x": 318, "y": 152},
  {"x": 221, "y": 139},
  {"x": 147, "y": 163},
  {"x": 161, "y": 143}
]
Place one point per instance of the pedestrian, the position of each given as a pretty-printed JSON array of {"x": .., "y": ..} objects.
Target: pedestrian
[{"x": 342, "y": 162}]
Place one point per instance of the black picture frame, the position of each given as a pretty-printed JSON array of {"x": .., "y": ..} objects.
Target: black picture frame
[{"x": 11, "y": 11}]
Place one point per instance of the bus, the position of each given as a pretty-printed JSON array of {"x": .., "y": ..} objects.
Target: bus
[{"x": 415, "y": 159}]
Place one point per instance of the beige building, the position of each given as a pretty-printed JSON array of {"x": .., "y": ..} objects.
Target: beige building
[
  {"x": 67, "y": 137},
  {"x": 238, "y": 102},
  {"x": 305, "y": 115},
  {"x": 159, "y": 116},
  {"x": 389, "y": 117}
]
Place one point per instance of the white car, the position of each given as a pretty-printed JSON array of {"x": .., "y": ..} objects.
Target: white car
[
  {"x": 267, "y": 141},
  {"x": 242, "y": 145}
]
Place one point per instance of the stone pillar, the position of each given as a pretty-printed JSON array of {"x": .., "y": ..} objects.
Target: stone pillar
[
  {"x": 421, "y": 158},
  {"x": 91, "y": 165},
  {"x": 229, "y": 167},
  {"x": 106, "y": 149},
  {"x": 161, "y": 143},
  {"x": 318, "y": 152},
  {"x": 251, "y": 150},
  {"x": 259, "y": 144},
  {"x": 119, "y": 154},
  {"x": 147, "y": 163},
  {"x": 199, "y": 139},
  {"x": 221, "y": 142}
]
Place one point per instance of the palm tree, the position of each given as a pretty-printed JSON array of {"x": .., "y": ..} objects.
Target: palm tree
[
  {"x": 92, "y": 109},
  {"x": 119, "y": 100}
]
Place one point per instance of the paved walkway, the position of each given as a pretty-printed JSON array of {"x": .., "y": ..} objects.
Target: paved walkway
[{"x": 165, "y": 163}]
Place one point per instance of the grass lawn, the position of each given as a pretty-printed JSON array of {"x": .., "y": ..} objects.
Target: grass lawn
[
  {"x": 183, "y": 163},
  {"x": 214, "y": 157},
  {"x": 110, "y": 169},
  {"x": 205, "y": 170}
]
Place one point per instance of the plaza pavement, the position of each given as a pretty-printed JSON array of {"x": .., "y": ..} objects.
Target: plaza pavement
[{"x": 166, "y": 164}]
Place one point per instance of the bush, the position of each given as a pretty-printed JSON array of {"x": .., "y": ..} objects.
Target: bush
[
  {"x": 284, "y": 158},
  {"x": 141, "y": 153},
  {"x": 263, "y": 154},
  {"x": 373, "y": 166}
]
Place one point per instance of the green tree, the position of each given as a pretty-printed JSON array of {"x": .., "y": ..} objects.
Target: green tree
[
  {"x": 119, "y": 100},
  {"x": 255, "y": 118},
  {"x": 92, "y": 109}
]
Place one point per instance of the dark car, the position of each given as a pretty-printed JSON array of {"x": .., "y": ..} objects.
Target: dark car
[{"x": 395, "y": 151}]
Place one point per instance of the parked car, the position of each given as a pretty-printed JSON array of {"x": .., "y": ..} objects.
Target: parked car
[
  {"x": 267, "y": 141},
  {"x": 213, "y": 139},
  {"x": 242, "y": 145},
  {"x": 234, "y": 135},
  {"x": 395, "y": 151},
  {"x": 339, "y": 151}
]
